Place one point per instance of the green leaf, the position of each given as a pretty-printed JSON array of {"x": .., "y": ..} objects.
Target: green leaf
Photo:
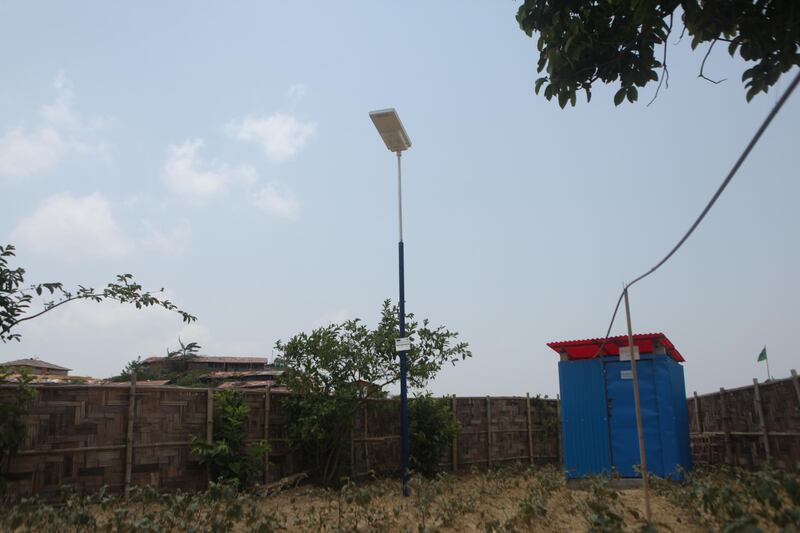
[
  {"x": 619, "y": 96},
  {"x": 538, "y": 84},
  {"x": 633, "y": 94}
]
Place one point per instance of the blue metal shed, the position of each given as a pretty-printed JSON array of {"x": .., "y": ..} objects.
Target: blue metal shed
[{"x": 598, "y": 421}]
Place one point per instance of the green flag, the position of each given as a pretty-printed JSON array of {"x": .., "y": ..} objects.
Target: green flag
[{"x": 763, "y": 355}]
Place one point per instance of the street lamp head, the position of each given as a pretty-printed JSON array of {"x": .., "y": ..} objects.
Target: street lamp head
[{"x": 391, "y": 129}]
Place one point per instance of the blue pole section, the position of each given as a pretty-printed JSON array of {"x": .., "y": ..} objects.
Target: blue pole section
[
  {"x": 402, "y": 317},
  {"x": 403, "y": 371}
]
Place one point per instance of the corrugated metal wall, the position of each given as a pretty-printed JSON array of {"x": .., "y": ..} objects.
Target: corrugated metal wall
[
  {"x": 584, "y": 418},
  {"x": 598, "y": 418}
]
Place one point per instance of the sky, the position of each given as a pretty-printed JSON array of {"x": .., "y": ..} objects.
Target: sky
[{"x": 224, "y": 152}]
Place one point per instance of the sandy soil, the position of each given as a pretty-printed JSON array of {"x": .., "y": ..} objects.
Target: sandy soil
[{"x": 475, "y": 502}]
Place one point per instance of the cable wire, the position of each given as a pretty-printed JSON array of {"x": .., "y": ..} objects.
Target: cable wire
[{"x": 764, "y": 125}]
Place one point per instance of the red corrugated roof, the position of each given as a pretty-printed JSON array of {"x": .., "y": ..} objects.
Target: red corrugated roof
[{"x": 587, "y": 348}]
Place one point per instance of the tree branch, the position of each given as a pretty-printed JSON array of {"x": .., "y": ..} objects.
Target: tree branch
[
  {"x": 703, "y": 65},
  {"x": 683, "y": 32},
  {"x": 664, "y": 69},
  {"x": 40, "y": 313}
]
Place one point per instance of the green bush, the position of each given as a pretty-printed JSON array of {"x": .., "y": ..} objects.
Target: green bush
[
  {"x": 14, "y": 407},
  {"x": 228, "y": 456},
  {"x": 432, "y": 427}
]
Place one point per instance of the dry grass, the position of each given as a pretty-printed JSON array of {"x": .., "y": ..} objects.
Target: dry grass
[
  {"x": 497, "y": 501},
  {"x": 500, "y": 500}
]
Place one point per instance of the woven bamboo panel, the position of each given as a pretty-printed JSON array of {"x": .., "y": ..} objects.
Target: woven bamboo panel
[
  {"x": 380, "y": 452},
  {"x": 729, "y": 430},
  {"x": 77, "y": 435},
  {"x": 472, "y": 440},
  {"x": 69, "y": 418},
  {"x": 171, "y": 416}
]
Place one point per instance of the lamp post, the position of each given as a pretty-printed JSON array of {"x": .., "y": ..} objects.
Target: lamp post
[{"x": 394, "y": 135}]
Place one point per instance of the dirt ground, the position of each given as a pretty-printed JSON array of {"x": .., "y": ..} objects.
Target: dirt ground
[
  {"x": 506, "y": 500},
  {"x": 474, "y": 502}
]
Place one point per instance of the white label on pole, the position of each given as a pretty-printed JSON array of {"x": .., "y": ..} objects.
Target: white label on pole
[
  {"x": 403, "y": 344},
  {"x": 626, "y": 374},
  {"x": 625, "y": 353}
]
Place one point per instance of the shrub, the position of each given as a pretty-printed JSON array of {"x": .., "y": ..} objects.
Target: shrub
[
  {"x": 229, "y": 457},
  {"x": 13, "y": 410},
  {"x": 432, "y": 427}
]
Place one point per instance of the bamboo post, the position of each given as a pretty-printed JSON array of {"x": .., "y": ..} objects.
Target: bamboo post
[
  {"x": 697, "y": 422},
  {"x": 454, "y": 445},
  {"x": 638, "y": 411},
  {"x": 366, "y": 437},
  {"x": 267, "y": 401},
  {"x": 489, "y": 431},
  {"x": 796, "y": 386},
  {"x": 129, "y": 440},
  {"x": 762, "y": 421},
  {"x": 725, "y": 428},
  {"x": 209, "y": 426},
  {"x": 209, "y": 416},
  {"x": 530, "y": 427}
]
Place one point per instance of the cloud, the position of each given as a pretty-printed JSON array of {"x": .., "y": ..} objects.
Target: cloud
[
  {"x": 60, "y": 112},
  {"x": 38, "y": 150},
  {"x": 198, "y": 180},
  {"x": 24, "y": 153},
  {"x": 172, "y": 241},
  {"x": 277, "y": 201},
  {"x": 280, "y": 135},
  {"x": 78, "y": 226}
]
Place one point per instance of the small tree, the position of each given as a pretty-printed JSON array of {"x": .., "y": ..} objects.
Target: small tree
[
  {"x": 432, "y": 427},
  {"x": 187, "y": 350},
  {"x": 229, "y": 457},
  {"x": 14, "y": 408},
  {"x": 16, "y": 297},
  {"x": 325, "y": 371}
]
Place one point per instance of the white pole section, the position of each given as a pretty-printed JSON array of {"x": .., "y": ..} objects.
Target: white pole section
[{"x": 399, "y": 196}]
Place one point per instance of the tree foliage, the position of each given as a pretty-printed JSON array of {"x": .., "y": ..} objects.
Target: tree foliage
[
  {"x": 175, "y": 368},
  {"x": 229, "y": 456},
  {"x": 16, "y": 297},
  {"x": 584, "y": 41},
  {"x": 14, "y": 407},
  {"x": 432, "y": 427},
  {"x": 326, "y": 370},
  {"x": 187, "y": 350}
]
